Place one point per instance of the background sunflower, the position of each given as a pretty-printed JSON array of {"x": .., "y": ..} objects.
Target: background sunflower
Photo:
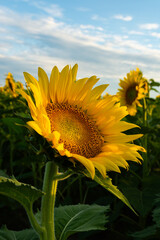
[{"x": 133, "y": 88}]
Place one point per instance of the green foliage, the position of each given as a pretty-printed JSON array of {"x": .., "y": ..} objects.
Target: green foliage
[
  {"x": 79, "y": 218},
  {"x": 28, "y": 234},
  {"x": 140, "y": 200},
  {"x": 143, "y": 199},
  {"x": 107, "y": 184},
  {"x": 25, "y": 194},
  {"x": 68, "y": 221},
  {"x": 154, "y": 230},
  {"x": 156, "y": 212},
  {"x": 145, "y": 233},
  {"x": 23, "y": 155},
  {"x": 153, "y": 84}
]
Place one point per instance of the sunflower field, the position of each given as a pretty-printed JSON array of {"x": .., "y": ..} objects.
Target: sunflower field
[{"x": 76, "y": 162}]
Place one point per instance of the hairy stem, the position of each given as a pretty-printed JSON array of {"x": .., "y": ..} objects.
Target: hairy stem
[
  {"x": 145, "y": 142},
  {"x": 34, "y": 222},
  {"x": 48, "y": 200}
]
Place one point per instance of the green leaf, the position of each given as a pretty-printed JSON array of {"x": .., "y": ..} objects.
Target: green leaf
[
  {"x": 3, "y": 174},
  {"x": 107, "y": 184},
  {"x": 156, "y": 211},
  {"x": 147, "y": 232},
  {"x": 27, "y": 234},
  {"x": 25, "y": 194},
  {"x": 79, "y": 218},
  {"x": 156, "y": 216},
  {"x": 153, "y": 83},
  {"x": 154, "y": 89},
  {"x": 5, "y": 234},
  {"x": 12, "y": 124},
  {"x": 142, "y": 201}
]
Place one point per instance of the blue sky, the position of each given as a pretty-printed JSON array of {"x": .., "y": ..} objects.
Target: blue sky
[{"x": 106, "y": 38}]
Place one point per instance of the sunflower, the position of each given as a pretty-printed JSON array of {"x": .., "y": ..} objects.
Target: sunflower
[
  {"x": 79, "y": 124},
  {"x": 133, "y": 88},
  {"x": 11, "y": 86}
]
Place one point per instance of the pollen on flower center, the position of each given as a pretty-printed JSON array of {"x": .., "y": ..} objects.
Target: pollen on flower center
[
  {"x": 78, "y": 132},
  {"x": 131, "y": 94}
]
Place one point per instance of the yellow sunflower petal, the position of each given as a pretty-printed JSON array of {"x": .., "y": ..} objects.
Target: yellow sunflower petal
[
  {"x": 94, "y": 94},
  {"x": 87, "y": 87},
  {"x": 30, "y": 103},
  {"x": 107, "y": 163},
  {"x": 35, "y": 126},
  {"x": 74, "y": 72},
  {"x": 87, "y": 163},
  {"x": 44, "y": 85},
  {"x": 54, "y": 137},
  {"x": 114, "y": 128},
  {"x": 37, "y": 95},
  {"x": 101, "y": 168},
  {"x": 69, "y": 83},
  {"x": 76, "y": 88},
  {"x": 30, "y": 79},
  {"x": 54, "y": 78},
  {"x": 122, "y": 138},
  {"x": 62, "y": 84}
]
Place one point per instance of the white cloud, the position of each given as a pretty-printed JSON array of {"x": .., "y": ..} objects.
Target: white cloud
[
  {"x": 82, "y": 9},
  {"x": 155, "y": 34},
  {"x": 91, "y": 27},
  {"x": 96, "y": 17},
  {"x": 49, "y": 28},
  {"x": 149, "y": 26},
  {"x": 47, "y": 42},
  {"x": 135, "y": 32},
  {"x": 2, "y": 30},
  {"x": 124, "y": 18},
  {"x": 52, "y": 9},
  {"x": 134, "y": 63}
]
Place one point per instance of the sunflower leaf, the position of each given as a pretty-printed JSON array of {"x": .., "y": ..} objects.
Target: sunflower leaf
[
  {"x": 25, "y": 194},
  {"x": 107, "y": 184},
  {"x": 145, "y": 233},
  {"x": 27, "y": 234},
  {"x": 79, "y": 218}
]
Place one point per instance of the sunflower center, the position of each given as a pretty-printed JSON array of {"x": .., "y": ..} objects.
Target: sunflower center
[
  {"x": 131, "y": 94},
  {"x": 78, "y": 132}
]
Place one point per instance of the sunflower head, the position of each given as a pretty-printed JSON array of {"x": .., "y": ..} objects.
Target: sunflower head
[
  {"x": 133, "y": 88},
  {"x": 131, "y": 93},
  {"x": 78, "y": 122},
  {"x": 11, "y": 86},
  {"x": 10, "y": 82}
]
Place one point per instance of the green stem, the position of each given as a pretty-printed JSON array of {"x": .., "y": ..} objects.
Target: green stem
[
  {"x": 11, "y": 156},
  {"x": 80, "y": 189},
  {"x": 63, "y": 176},
  {"x": 34, "y": 222},
  {"x": 144, "y": 112},
  {"x": 145, "y": 143},
  {"x": 48, "y": 201}
]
